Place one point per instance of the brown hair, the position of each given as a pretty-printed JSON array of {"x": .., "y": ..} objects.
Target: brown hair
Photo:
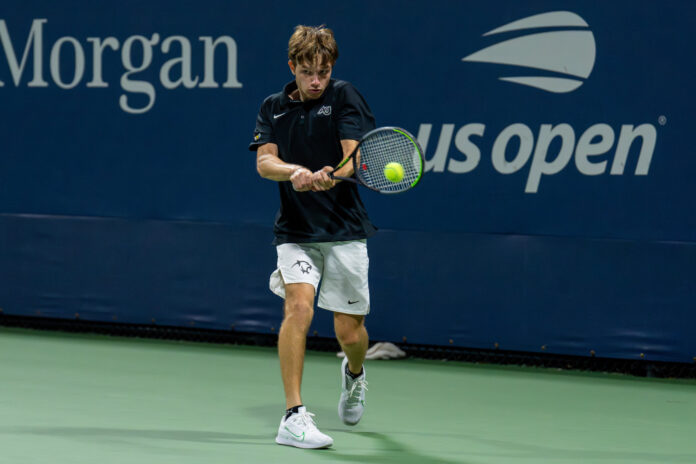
[{"x": 308, "y": 43}]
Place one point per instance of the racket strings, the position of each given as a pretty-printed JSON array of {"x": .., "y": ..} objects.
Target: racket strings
[{"x": 384, "y": 147}]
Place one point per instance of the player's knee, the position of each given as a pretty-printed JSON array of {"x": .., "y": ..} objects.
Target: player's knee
[
  {"x": 348, "y": 335},
  {"x": 299, "y": 312},
  {"x": 348, "y": 328}
]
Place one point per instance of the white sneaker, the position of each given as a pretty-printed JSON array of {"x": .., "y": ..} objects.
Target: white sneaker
[
  {"x": 299, "y": 430},
  {"x": 352, "y": 403}
]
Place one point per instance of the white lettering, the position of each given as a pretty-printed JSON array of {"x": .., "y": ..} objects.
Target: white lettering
[
  {"x": 540, "y": 165},
  {"x": 97, "y": 50},
  {"x": 137, "y": 86},
  {"x": 526, "y": 137},
  {"x": 596, "y": 140},
  {"x": 209, "y": 60},
  {"x": 467, "y": 148},
  {"x": 586, "y": 148},
  {"x": 437, "y": 162},
  {"x": 184, "y": 61},
  {"x": 79, "y": 62},
  {"x": 649, "y": 135},
  {"x": 35, "y": 40},
  {"x": 176, "y": 72}
]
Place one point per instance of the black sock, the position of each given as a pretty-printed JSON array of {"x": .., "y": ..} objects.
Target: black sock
[
  {"x": 354, "y": 376},
  {"x": 291, "y": 411}
]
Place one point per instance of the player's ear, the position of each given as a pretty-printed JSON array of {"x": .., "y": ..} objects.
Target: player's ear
[{"x": 292, "y": 67}]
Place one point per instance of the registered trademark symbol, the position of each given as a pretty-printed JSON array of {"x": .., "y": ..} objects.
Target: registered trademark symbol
[{"x": 662, "y": 120}]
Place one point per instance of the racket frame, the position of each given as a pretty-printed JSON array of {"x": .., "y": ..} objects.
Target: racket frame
[{"x": 358, "y": 178}]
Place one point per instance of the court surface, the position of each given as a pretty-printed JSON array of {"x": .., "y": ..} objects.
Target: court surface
[{"x": 106, "y": 400}]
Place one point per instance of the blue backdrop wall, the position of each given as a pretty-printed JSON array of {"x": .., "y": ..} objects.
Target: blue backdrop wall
[{"x": 557, "y": 209}]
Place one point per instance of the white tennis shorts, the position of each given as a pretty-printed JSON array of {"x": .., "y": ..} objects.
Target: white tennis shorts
[{"x": 340, "y": 266}]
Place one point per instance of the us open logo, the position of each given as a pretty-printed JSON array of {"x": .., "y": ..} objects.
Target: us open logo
[
  {"x": 569, "y": 52},
  {"x": 557, "y": 57}
]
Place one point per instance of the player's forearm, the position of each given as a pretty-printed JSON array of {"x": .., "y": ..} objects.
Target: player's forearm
[
  {"x": 345, "y": 171},
  {"x": 273, "y": 168},
  {"x": 348, "y": 146}
]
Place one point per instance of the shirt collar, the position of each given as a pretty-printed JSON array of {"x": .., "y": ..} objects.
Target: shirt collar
[
  {"x": 289, "y": 88},
  {"x": 292, "y": 86}
]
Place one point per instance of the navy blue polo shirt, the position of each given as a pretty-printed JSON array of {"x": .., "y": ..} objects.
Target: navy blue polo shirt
[{"x": 309, "y": 134}]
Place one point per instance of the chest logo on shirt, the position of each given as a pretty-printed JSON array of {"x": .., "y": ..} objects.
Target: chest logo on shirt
[{"x": 324, "y": 110}]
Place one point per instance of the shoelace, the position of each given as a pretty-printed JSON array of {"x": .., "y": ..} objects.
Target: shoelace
[
  {"x": 356, "y": 389},
  {"x": 306, "y": 419}
]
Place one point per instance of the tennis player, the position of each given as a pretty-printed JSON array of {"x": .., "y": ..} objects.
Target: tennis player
[{"x": 321, "y": 227}]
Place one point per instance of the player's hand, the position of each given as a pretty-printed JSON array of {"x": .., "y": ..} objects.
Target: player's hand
[
  {"x": 302, "y": 180},
  {"x": 321, "y": 180}
]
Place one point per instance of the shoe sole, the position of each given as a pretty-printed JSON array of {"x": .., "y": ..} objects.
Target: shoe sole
[
  {"x": 350, "y": 423},
  {"x": 299, "y": 444}
]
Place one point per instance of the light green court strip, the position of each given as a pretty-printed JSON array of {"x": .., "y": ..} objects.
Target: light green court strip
[{"x": 101, "y": 400}]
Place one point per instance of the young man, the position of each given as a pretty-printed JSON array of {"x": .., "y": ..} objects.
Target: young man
[{"x": 321, "y": 227}]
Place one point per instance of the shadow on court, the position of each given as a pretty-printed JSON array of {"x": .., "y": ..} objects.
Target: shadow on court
[
  {"x": 112, "y": 434},
  {"x": 528, "y": 451},
  {"x": 390, "y": 451}
]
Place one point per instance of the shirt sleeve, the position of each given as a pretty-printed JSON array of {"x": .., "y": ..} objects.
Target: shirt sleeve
[
  {"x": 263, "y": 133},
  {"x": 355, "y": 118}
]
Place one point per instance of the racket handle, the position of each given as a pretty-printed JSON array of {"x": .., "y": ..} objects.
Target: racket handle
[{"x": 349, "y": 179}]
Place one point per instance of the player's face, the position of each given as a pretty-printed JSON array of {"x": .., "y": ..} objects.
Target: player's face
[{"x": 312, "y": 79}]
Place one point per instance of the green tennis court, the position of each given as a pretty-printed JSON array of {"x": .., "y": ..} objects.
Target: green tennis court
[{"x": 93, "y": 399}]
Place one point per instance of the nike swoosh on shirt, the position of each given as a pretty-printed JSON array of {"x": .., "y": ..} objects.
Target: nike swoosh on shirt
[{"x": 276, "y": 116}]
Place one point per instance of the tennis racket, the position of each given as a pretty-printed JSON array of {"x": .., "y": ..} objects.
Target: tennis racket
[{"x": 377, "y": 158}]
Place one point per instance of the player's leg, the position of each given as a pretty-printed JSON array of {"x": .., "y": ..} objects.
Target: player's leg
[
  {"x": 296, "y": 280},
  {"x": 298, "y": 312},
  {"x": 352, "y": 336},
  {"x": 345, "y": 292}
]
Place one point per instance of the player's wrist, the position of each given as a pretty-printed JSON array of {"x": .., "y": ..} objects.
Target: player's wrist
[{"x": 297, "y": 169}]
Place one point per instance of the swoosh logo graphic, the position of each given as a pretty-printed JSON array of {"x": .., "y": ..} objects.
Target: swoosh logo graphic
[
  {"x": 297, "y": 437},
  {"x": 551, "y": 19},
  {"x": 276, "y": 116},
  {"x": 565, "y": 52},
  {"x": 550, "y": 84}
]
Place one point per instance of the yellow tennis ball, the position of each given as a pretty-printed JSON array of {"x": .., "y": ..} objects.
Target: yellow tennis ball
[{"x": 394, "y": 172}]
